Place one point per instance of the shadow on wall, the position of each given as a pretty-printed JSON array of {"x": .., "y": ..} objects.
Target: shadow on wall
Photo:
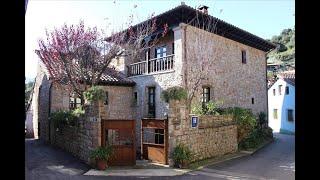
[{"x": 149, "y": 103}]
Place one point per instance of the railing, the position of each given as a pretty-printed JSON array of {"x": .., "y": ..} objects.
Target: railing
[{"x": 152, "y": 66}]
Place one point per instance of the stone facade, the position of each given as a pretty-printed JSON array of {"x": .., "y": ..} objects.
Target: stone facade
[
  {"x": 231, "y": 81},
  {"x": 214, "y": 136}
]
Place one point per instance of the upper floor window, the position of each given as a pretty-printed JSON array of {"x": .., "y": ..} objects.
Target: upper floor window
[
  {"x": 280, "y": 89},
  {"x": 74, "y": 101},
  {"x": 244, "y": 57},
  {"x": 290, "y": 115},
  {"x": 205, "y": 94},
  {"x": 287, "y": 89},
  {"x": 274, "y": 91},
  {"x": 160, "y": 52}
]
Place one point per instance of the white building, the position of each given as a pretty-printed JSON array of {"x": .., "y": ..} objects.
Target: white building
[{"x": 281, "y": 103}]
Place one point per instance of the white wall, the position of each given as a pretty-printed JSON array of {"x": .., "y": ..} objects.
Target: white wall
[{"x": 281, "y": 102}]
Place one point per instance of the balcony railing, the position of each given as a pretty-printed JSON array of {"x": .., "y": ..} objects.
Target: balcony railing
[{"x": 152, "y": 66}]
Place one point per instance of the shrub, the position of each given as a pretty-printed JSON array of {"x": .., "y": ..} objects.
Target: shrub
[
  {"x": 246, "y": 121},
  {"x": 174, "y": 93},
  {"x": 262, "y": 119},
  {"x": 61, "y": 118},
  {"x": 181, "y": 155},
  {"x": 102, "y": 153},
  {"x": 94, "y": 93},
  {"x": 255, "y": 138},
  {"x": 78, "y": 112},
  {"x": 210, "y": 108}
]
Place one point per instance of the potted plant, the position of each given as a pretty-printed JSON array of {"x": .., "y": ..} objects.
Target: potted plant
[
  {"x": 181, "y": 156},
  {"x": 102, "y": 155}
]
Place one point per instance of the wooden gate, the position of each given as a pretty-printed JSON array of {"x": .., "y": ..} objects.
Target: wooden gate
[
  {"x": 121, "y": 135},
  {"x": 154, "y": 140}
]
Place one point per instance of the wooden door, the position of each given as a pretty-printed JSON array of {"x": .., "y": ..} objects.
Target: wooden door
[{"x": 121, "y": 135}]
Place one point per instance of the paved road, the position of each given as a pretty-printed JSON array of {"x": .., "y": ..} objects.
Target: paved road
[{"x": 276, "y": 161}]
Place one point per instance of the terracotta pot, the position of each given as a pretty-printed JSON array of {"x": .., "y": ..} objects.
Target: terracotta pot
[{"x": 101, "y": 164}]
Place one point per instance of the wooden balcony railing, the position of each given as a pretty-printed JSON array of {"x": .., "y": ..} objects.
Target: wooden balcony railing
[{"x": 152, "y": 66}]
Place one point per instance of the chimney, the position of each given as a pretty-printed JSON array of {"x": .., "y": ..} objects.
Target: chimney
[
  {"x": 203, "y": 9},
  {"x": 183, "y": 3}
]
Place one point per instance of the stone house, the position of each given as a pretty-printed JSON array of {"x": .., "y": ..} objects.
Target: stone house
[{"x": 237, "y": 77}]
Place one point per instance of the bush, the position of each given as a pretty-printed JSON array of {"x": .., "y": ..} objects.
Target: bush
[
  {"x": 61, "y": 118},
  {"x": 262, "y": 119},
  {"x": 246, "y": 121},
  {"x": 181, "y": 155},
  {"x": 174, "y": 93},
  {"x": 78, "y": 112},
  {"x": 210, "y": 108},
  {"x": 102, "y": 153},
  {"x": 94, "y": 93},
  {"x": 256, "y": 137}
]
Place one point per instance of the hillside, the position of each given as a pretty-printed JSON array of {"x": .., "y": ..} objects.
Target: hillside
[{"x": 284, "y": 54}]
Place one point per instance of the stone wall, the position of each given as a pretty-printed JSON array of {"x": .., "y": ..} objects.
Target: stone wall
[
  {"x": 120, "y": 103},
  {"x": 215, "y": 135},
  {"x": 80, "y": 139},
  {"x": 230, "y": 80}
]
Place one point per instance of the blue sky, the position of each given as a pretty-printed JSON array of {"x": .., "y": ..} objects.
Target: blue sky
[{"x": 260, "y": 17}]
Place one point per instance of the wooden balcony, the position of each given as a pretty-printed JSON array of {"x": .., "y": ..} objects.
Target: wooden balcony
[{"x": 152, "y": 66}]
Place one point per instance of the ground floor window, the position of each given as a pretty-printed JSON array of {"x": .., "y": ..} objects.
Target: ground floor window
[
  {"x": 290, "y": 115},
  {"x": 74, "y": 101},
  {"x": 275, "y": 113}
]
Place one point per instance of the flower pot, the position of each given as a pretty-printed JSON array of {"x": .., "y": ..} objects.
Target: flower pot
[{"x": 101, "y": 164}]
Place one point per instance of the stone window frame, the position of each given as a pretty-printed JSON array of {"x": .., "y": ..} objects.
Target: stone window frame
[
  {"x": 210, "y": 93},
  {"x": 74, "y": 104},
  {"x": 244, "y": 57}
]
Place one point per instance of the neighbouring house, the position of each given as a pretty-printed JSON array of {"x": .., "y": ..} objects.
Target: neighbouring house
[
  {"x": 237, "y": 77},
  {"x": 281, "y": 99}
]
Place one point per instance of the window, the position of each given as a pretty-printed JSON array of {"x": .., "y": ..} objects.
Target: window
[
  {"x": 151, "y": 102},
  {"x": 161, "y": 52},
  {"x": 252, "y": 100},
  {"x": 290, "y": 115},
  {"x": 205, "y": 94},
  {"x": 244, "y": 57},
  {"x": 274, "y": 92},
  {"x": 275, "y": 113},
  {"x": 280, "y": 89},
  {"x": 172, "y": 48},
  {"x": 135, "y": 100},
  {"x": 107, "y": 99},
  {"x": 74, "y": 101},
  {"x": 159, "y": 136},
  {"x": 287, "y": 89}
]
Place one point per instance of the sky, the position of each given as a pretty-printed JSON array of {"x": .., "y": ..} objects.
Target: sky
[{"x": 263, "y": 18}]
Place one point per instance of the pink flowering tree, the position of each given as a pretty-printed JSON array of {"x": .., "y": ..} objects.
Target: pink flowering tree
[{"x": 77, "y": 56}]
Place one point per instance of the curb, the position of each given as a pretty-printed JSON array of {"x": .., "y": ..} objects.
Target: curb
[
  {"x": 259, "y": 148},
  {"x": 240, "y": 154}
]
